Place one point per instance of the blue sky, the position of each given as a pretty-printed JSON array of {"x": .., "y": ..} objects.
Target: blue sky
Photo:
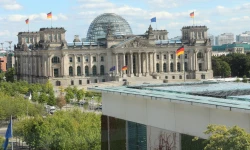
[{"x": 220, "y": 16}]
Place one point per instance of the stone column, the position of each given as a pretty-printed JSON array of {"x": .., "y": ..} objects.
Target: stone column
[
  {"x": 83, "y": 67},
  {"x": 154, "y": 62},
  {"x": 168, "y": 61},
  {"x": 190, "y": 60},
  {"x": 90, "y": 64},
  {"x": 195, "y": 60},
  {"x": 98, "y": 69},
  {"x": 147, "y": 70},
  {"x": 205, "y": 61},
  {"x": 209, "y": 59},
  {"x": 139, "y": 64},
  {"x": 175, "y": 62},
  {"x": 116, "y": 65},
  {"x": 124, "y": 64},
  {"x": 161, "y": 62},
  {"x": 131, "y": 65},
  {"x": 75, "y": 66},
  {"x": 62, "y": 65}
]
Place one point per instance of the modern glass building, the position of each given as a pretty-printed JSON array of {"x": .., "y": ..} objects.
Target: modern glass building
[{"x": 98, "y": 28}]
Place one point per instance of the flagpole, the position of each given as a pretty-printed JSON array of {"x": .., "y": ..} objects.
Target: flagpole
[
  {"x": 193, "y": 19},
  {"x": 51, "y": 20},
  {"x": 28, "y": 27}
]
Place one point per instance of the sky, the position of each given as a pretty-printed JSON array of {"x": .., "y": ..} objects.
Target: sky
[{"x": 220, "y": 16}]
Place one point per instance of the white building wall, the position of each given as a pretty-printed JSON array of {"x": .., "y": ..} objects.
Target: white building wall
[{"x": 177, "y": 117}]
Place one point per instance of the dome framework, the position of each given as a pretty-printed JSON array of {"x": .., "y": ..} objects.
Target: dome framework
[{"x": 98, "y": 28}]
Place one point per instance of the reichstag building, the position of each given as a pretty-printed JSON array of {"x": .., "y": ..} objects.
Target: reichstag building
[{"x": 110, "y": 46}]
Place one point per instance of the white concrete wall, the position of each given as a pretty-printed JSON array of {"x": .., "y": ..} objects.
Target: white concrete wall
[{"x": 177, "y": 117}]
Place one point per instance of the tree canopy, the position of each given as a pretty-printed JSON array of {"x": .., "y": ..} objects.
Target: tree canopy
[
  {"x": 238, "y": 63},
  {"x": 61, "y": 131},
  {"x": 227, "y": 138}
]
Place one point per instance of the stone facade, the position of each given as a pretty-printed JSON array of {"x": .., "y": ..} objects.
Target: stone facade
[{"x": 48, "y": 57}]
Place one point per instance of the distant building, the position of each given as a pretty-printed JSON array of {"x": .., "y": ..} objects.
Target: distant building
[
  {"x": 244, "y": 37},
  {"x": 3, "y": 61},
  {"x": 109, "y": 55},
  {"x": 10, "y": 60},
  {"x": 225, "y": 38},
  {"x": 230, "y": 48}
]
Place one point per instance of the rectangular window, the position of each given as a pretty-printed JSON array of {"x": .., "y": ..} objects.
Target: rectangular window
[
  {"x": 180, "y": 77},
  {"x": 72, "y": 82},
  {"x": 203, "y": 76},
  {"x": 78, "y": 59},
  {"x": 86, "y": 59},
  {"x": 186, "y": 56},
  {"x": 179, "y": 56},
  {"x": 158, "y": 56},
  {"x": 88, "y": 82},
  {"x": 173, "y": 77},
  {"x": 103, "y": 80},
  {"x": 70, "y": 59},
  {"x": 94, "y": 59},
  {"x": 166, "y": 77},
  {"x": 165, "y": 56},
  {"x": 95, "y": 80},
  {"x": 80, "y": 82},
  {"x": 172, "y": 56},
  {"x": 200, "y": 66},
  {"x": 102, "y": 58}
]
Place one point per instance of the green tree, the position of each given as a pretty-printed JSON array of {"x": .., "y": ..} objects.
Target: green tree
[
  {"x": 35, "y": 97},
  {"x": 69, "y": 94},
  {"x": 51, "y": 98},
  {"x": 62, "y": 130},
  {"x": 2, "y": 76},
  {"x": 43, "y": 98},
  {"x": 1, "y": 142},
  {"x": 225, "y": 69},
  {"x": 10, "y": 73},
  {"x": 80, "y": 94},
  {"x": 224, "y": 138}
]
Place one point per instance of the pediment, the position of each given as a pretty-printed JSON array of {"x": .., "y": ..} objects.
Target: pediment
[{"x": 133, "y": 42}]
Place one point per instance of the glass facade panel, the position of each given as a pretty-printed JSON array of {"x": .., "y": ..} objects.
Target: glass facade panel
[{"x": 98, "y": 28}]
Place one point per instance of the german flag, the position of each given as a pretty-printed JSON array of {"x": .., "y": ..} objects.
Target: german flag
[
  {"x": 180, "y": 51},
  {"x": 192, "y": 14},
  {"x": 124, "y": 67},
  {"x": 49, "y": 15},
  {"x": 27, "y": 21}
]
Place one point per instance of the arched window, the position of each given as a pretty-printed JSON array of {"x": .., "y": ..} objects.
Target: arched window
[
  {"x": 94, "y": 70},
  {"x": 158, "y": 67},
  {"x": 164, "y": 67},
  {"x": 58, "y": 83},
  {"x": 55, "y": 59},
  {"x": 172, "y": 67},
  {"x": 178, "y": 67},
  {"x": 79, "y": 72},
  {"x": 102, "y": 69},
  {"x": 70, "y": 71},
  {"x": 86, "y": 70},
  {"x": 199, "y": 55}
]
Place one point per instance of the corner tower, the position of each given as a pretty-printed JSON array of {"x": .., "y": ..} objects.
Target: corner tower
[{"x": 195, "y": 35}]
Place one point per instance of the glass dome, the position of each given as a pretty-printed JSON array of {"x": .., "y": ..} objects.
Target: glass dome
[{"x": 98, "y": 27}]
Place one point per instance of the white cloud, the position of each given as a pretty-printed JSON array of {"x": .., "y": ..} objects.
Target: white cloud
[
  {"x": 10, "y": 5},
  {"x": 62, "y": 16},
  {"x": 5, "y": 33}
]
